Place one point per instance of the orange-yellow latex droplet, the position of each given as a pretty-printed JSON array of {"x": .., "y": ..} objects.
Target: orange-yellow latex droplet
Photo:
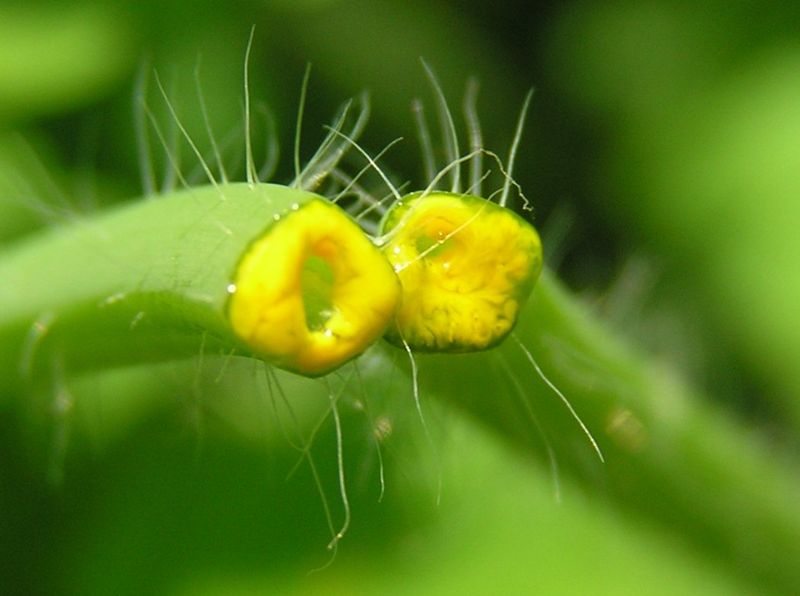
[
  {"x": 466, "y": 266},
  {"x": 269, "y": 309}
]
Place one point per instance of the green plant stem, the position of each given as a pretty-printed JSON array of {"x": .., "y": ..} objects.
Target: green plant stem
[
  {"x": 147, "y": 282},
  {"x": 671, "y": 457}
]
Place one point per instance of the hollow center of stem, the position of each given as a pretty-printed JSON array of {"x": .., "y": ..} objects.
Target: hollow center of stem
[
  {"x": 316, "y": 284},
  {"x": 313, "y": 291}
]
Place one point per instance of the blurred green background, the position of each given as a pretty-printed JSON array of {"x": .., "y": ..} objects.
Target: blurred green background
[{"x": 662, "y": 154}]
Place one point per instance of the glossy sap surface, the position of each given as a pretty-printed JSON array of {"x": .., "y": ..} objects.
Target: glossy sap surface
[{"x": 466, "y": 266}]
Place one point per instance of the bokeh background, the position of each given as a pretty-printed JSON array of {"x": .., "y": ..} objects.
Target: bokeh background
[{"x": 662, "y": 154}]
